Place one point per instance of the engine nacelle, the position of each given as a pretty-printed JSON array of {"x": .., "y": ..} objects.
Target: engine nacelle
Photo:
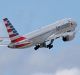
[{"x": 69, "y": 37}]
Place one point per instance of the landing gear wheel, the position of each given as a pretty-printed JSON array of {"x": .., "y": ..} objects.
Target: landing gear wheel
[
  {"x": 49, "y": 46},
  {"x": 36, "y": 47}
]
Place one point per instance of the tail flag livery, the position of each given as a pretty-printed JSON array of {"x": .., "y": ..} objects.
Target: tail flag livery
[{"x": 13, "y": 34}]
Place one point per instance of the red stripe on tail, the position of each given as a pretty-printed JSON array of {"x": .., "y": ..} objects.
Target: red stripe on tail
[
  {"x": 9, "y": 30},
  {"x": 18, "y": 39},
  {"x": 13, "y": 34},
  {"x": 22, "y": 45}
]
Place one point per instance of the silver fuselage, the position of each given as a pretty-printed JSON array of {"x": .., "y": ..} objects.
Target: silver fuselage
[{"x": 43, "y": 34}]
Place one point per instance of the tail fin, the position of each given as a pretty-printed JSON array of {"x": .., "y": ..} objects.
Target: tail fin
[{"x": 13, "y": 34}]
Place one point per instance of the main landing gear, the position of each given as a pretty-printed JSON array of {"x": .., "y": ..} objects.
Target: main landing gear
[
  {"x": 37, "y": 47},
  {"x": 50, "y": 45},
  {"x": 44, "y": 45}
]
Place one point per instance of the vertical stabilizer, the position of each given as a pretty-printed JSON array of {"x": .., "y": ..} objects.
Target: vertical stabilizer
[{"x": 13, "y": 34}]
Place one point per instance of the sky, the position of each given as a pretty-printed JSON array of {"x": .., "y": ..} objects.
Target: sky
[{"x": 29, "y": 15}]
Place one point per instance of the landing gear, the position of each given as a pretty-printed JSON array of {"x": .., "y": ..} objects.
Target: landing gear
[
  {"x": 36, "y": 47},
  {"x": 40, "y": 45},
  {"x": 44, "y": 45},
  {"x": 49, "y": 46}
]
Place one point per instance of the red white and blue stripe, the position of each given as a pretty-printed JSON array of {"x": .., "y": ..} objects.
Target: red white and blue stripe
[{"x": 13, "y": 34}]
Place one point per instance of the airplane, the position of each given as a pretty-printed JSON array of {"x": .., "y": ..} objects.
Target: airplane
[{"x": 64, "y": 28}]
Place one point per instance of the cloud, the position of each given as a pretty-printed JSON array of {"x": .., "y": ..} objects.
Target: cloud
[
  {"x": 41, "y": 62},
  {"x": 72, "y": 71}
]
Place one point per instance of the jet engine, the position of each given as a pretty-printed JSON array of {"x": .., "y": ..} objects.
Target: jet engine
[{"x": 69, "y": 37}]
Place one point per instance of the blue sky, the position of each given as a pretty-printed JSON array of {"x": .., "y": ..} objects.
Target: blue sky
[{"x": 28, "y": 15}]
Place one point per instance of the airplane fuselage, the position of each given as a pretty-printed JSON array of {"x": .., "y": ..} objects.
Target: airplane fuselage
[
  {"x": 60, "y": 27},
  {"x": 64, "y": 28}
]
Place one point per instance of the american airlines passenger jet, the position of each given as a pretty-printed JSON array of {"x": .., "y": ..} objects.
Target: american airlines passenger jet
[{"x": 64, "y": 28}]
